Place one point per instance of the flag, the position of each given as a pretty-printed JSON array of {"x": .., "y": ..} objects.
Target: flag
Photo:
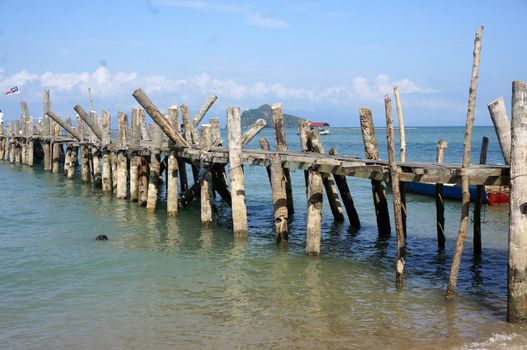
[{"x": 13, "y": 91}]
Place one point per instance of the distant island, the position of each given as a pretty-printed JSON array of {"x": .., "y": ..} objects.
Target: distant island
[{"x": 249, "y": 116}]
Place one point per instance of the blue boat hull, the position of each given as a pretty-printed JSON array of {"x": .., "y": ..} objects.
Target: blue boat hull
[{"x": 449, "y": 191}]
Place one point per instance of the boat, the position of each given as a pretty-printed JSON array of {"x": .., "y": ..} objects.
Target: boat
[
  {"x": 491, "y": 195},
  {"x": 321, "y": 126}
]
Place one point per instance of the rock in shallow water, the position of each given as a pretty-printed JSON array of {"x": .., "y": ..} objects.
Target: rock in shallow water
[{"x": 101, "y": 238}]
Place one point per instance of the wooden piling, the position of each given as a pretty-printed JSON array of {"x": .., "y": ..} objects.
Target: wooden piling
[
  {"x": 155, "y": 166},
  {"x": 204, "y": 109},
  {"x": 402, "y": 138},
  {"x": 136, "y": 128},
  {"x": 56, "y": 157},
  {"x": 370, "y": 148},
  {"x": 65, "y": 125},
  {"x": 206, "y": 186},
  {"x": 346, "y": 197},
  {"x": 396, "y": 195},
  {"x": 440, "y": 204},
  {"x": 281, "y": 145},
  {"x": 144, "y": 172},
  {"x": 172, "y": 187},
  {"x": 135, "y": 162},
  {"x": 502, "y": 125},
  {"x": 67, "y": 159},
  {"x": 279, "y": 200},
  {"x": 315, "y": 145},
  {"x": 122, "y": 174},
  {"x": 314, "y": 211},
  {"x": 85, "y": 167},
  {"x": 239, "y": 209},
  {"x": 96, "y": 166},
  {"x": 159, "y": 118},
  {"x": 187, "y": 124},
  {"x": 90, "y": 121},
  {"x": 303, "y": 129},
  {"x": 264, "y": 144},
  {"x": 217, "y": 140},
  {"x": 517, "y": 277},
  {"x": 253, "y": 130},
  {"x": 462, "y": 233}
]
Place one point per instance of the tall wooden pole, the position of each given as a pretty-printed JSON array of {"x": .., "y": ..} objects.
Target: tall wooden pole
[
  {"x": 281, "y": 145},
  {"x": 402, "y": 137},
  {"x": 440, "y": 204},
  {"x": 462, "y": 233},
  {"x": 314, "y": 208},
  {"x": 517, "y": 286},
  {"x": 206, "y": 185},
  {"x": 396, "y": 195},
  {"x": 239, "y": 208},
  {"x": 379, "y": 197}
]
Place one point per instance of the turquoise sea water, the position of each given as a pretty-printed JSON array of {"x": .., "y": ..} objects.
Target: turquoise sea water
[{"x": 167, "y": 283}]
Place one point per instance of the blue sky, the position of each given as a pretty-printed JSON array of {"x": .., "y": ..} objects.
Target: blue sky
[{"x": 321, "y": 59}]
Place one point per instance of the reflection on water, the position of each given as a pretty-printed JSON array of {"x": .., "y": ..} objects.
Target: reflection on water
[{"x": 166, "y": 282}]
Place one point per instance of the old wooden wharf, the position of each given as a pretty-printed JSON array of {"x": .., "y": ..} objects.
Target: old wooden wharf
[{"x": 132, "y": 166}]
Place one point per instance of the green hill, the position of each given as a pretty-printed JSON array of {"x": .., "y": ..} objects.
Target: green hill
[{"x": 264, "y": 112}]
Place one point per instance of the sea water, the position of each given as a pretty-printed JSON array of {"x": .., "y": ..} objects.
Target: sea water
[{"x": 167, "y": 283}]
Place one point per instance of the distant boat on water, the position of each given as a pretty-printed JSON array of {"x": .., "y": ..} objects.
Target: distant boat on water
[
  {"x": 321, "y": 126},
  {"x": 491, "y": 194}
]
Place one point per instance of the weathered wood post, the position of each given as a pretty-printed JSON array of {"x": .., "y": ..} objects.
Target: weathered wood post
[
  {"x": 144, "y": 173},
  {"x": 96, "y": 152},
  {"x": 206, "y": 186},
  {"x": 396, "y": 195},
  {"x": 314, "y": 208},
  {"x": 47, "y": 132},
  {"x": 278, "y": 188},
  {"x": 303, "y": 129},
  {"x": 252, "y": 131},
  {"x": 135, "y": 163},
  {"x": 281, "y": 145},
  {"x": 85, "y": 166},
  {"x": 402, "y": 137},
  {"x": 264, "y": 144},
  {"x": 30, "y": 144},
  {"x": 239, "y": 209},
  {"x": 345, "y": 194},
  {"x": 56, "y": 150},
  {"x": 172, "y": 166},
  {"x": 315, "y": 145},
  {"x": 106, "y": 153},
  {"x": 462, "y": 233},
  {"x": 216, "y": 132},
  {"x": 440, "y": 204},
  {"x": 370, "y": 148},
  {"x": 502, "y": 125},
  {"x": 155, "y": 166},
  {"x": 67, "y": 159},
  {"x": 122, "y": 160},
  {"x": 517, "y": 286},
  {"x": 477, "y": 202}
]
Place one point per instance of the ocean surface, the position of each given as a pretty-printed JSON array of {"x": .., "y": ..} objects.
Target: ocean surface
[{"x": 167, "y": 283}]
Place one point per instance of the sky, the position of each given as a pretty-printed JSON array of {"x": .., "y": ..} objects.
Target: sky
[{"x": 322, "y": 60}]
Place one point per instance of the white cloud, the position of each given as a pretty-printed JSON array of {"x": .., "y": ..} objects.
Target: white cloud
[
  {"x": 266, "y": 20},
  {"x": 104, "y": 83},
  {"x": 252, "y": 16}
]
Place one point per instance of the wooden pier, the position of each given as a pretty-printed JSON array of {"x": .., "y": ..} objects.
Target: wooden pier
[{"x": 133, "y": 164}]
